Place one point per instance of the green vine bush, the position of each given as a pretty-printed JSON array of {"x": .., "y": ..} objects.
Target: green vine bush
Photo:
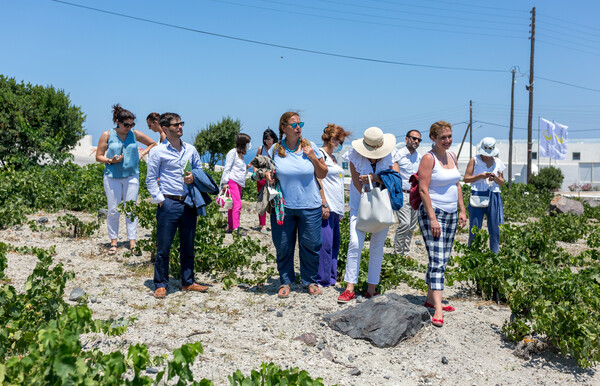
[
  {"x": 550, "y": 292},
  {"x": 232, "y": 263},
  {"x": 270, "y": 374}
]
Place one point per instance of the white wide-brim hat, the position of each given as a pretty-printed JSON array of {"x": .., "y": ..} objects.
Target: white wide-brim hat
[
  {"x": 374, "y": 144},
  {"x": 487, "y": 147}
]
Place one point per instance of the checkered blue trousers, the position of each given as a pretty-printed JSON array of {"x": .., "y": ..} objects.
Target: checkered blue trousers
[{"x": 438, "y": 249}]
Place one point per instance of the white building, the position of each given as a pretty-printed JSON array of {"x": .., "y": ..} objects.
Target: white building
[{"x": 581, "y": 166}]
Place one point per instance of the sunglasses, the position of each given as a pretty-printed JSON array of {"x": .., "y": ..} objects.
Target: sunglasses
[
  {"x": 177, "y": 124},
  {"x": 489, "y": 147},
  {"x": 128, "y": 125},
  {"x": 415, "y": 139},
  {"x": 294, "y": 125}
]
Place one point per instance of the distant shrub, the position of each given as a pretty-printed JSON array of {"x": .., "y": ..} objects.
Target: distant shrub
[{"x": 549, "y": 178}]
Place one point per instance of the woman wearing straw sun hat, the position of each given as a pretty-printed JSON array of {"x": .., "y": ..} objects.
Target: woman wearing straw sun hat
[
  {"x": 484, "y": 173},
  {"x": 368, "y": 157}
]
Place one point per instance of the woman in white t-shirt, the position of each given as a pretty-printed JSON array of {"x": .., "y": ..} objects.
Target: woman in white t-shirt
[
  {"x": 234, "y": 179},
  {"x": 441, "y": 194},
  {"x": 484, "y": 173},
  {"x": 332, "y": 196}
]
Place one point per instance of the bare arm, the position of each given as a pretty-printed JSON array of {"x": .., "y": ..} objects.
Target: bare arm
[
  {"x": 469, "y": 177},
  {"x": 101, "y": 151},
  {"x": 145, "y": 140}
]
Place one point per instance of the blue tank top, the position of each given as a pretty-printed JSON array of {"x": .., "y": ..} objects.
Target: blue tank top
[{"x": 129, "y": 164}]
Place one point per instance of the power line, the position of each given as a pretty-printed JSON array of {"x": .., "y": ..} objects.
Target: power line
[
  {"x": 474, "y": 20},
  {"x": 378, "y": 22},
  {"x": 524, "y": 128},
  {"x": 453, "y": 3},
  {"x": 280, "y": 45},
  {"x": 570, "y": 22},
  {"x": 567, "y": 47},
  {"x": 568, "y": 84}
]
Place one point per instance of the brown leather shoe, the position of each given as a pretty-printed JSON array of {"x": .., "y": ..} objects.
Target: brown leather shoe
[
  {"x": 195, "y": 287},
  {"x": 160, "y": 292}
]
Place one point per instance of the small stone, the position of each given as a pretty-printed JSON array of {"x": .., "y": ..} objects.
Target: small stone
[
  {"x": 93, "y": 300},
  {"x": 265, "y": 329},
  {"x": 151, "y": 370},
  {"x": 494, "y": 308},
  {"x": 308, "y": 337},
  {"x": 76, "y": 294},
  {"x": 270, "y": 309},
  {"x": 356, "y": 372},
  {"x": 418, "y": 242},
  {"x": 320, "y": 346},
  {"x": 387, "y": 376},
  {"x": 350, "y": 358},
  {"x": 42, "y": 220},
  {"x": 360, "y": 299},
  {"x": 244, "y": 286},
  {"x": 212, "y": 350},
  {"x": 279, "y": 314},
  {"x": 444, "y": 361},
  {"x": 73, "y": 253},
  {"x": 102, "y": 213}
]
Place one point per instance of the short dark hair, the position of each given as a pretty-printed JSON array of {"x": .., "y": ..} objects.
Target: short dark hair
[
  {"x": 120, "y": 114},
  {"x": 269, "y": 134},
  {"x": 411, "y": 130},
  {"x": 166, "y": 118},
  {"x": 241, "y": 140},
  {"x": 153, "y": 117}
]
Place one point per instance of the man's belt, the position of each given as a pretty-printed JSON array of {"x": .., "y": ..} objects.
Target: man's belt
[{"x": 176, "y": 198}]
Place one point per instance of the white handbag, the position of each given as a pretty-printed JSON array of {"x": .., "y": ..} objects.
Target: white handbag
[
  {"x": 374, "y": 210},
  {"x": 480, "y": 201}
]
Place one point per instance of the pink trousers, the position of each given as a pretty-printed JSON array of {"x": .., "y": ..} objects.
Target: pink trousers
[
  {"x": 262, "y": 218},
  {"x": 233, "y": 215}
]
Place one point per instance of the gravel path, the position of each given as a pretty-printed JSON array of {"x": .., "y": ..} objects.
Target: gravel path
[{"x": 242, "y": 327}]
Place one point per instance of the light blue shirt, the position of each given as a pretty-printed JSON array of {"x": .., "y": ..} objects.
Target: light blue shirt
[
  {"x": 296, "y": 174},
  {"x": 166, "y": 164},
  {"x": 128, "y": 149}
]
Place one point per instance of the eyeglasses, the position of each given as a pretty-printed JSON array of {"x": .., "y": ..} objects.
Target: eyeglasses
[
  {"x": 415, "y": 139},
  {"x": 177, "y": 124},
  {"x": 294, "y": 125},
  {"x": 128, "y": 125}
]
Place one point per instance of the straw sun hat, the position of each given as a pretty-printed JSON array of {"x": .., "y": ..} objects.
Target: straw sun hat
[{"x": 374, "y": 144}]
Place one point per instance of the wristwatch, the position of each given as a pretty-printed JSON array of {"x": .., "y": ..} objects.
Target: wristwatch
[{"x": 325, "y": 205}]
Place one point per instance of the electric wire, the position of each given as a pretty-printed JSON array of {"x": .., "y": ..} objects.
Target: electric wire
[
  {"x": 377, "y": 22},
  {"x": 387, "y": 10},
  {"x": 568, "y": 22},
  {"x": 279, "y": 45}
]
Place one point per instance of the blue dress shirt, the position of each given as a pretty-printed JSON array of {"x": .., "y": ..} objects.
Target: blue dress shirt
[{"x": 166, "y": 164}]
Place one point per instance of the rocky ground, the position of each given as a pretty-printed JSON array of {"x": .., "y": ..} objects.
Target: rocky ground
[{"x": 242, "y": 327}]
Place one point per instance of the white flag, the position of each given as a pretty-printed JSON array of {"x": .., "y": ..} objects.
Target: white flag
[
  {"x": 547, "y": 129},
  {"x": 559, "y": 141}
]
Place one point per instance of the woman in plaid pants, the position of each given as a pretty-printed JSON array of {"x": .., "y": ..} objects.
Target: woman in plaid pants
[{"x": 441, "y": 193}]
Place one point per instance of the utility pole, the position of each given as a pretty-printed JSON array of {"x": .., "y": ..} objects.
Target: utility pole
[
  {"x": 471, "y": 130},
  {"x": 510, "y": 133},
  {"x": 530, "y": 89}
]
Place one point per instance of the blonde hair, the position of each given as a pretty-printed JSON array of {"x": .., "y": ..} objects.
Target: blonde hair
[
  {"x": 437, "y": 127},
  {"x": 284, "y": 120}
]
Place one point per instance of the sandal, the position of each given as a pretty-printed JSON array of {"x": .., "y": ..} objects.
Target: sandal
[
  {"x": 284, "y": 291},
  {"x": 313, "y": 289},
  {"x": 112, "y": 250},
  {"x": 445, "y": 308},
  {"x": 437, "y": 322}
]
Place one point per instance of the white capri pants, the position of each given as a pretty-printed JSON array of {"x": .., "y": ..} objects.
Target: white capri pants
[
  {"x": 117, "y": 190},
  {"x": 357, "y": 240}
]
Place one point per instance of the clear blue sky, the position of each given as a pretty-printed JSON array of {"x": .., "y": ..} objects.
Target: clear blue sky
[{"x": 101, "y": 59}]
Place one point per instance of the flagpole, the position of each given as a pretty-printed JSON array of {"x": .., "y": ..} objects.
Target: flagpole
[{"x": 538, "y": 153}]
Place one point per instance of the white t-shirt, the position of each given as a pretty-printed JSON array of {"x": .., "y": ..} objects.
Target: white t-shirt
[
  {"x": 234, "y": 169},
  {"x": 480, "y": 167},
  {"x": 408, "y": 163},
  {"x": 363, "y": 166},
  {"x": 333, "y": 185}
]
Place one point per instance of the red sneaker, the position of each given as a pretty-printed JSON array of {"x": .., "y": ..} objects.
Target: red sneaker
[{"x": 346, "y": 296}]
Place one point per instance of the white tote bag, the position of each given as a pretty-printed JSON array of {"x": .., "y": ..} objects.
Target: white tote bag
[{"x": 374, "y": 210}]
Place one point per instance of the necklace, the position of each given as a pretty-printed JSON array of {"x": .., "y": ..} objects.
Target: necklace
[{"x": 291, "y": 151}]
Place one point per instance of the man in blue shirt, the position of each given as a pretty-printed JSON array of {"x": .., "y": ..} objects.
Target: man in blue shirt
[{"x": 167, "y": 184}]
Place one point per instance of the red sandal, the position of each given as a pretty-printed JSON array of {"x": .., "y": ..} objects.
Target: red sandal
[
  {"x": 437, "y": 322},
  {"x": 445, "y": 308}
]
